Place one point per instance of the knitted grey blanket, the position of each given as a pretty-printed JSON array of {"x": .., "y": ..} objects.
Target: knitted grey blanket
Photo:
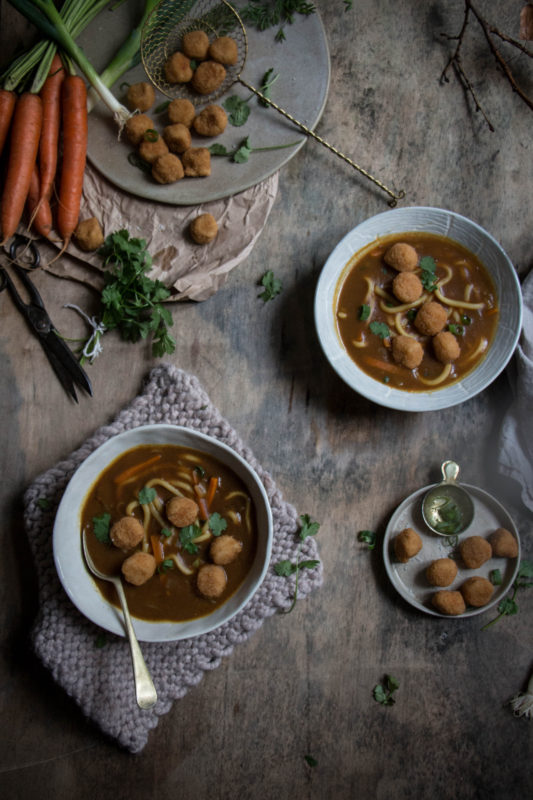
[{"x": 100, "y": 678}]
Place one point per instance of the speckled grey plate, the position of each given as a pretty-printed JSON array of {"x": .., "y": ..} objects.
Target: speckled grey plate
[
  {"x": 409, "y": 579},
  {"x": 302, "y": 62}
]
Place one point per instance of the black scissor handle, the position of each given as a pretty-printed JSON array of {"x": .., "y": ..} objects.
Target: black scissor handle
[{"x": 28, "y": 244}]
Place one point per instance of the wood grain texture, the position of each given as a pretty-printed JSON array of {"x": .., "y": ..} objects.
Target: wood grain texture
[{"x": 302, "y": 685}]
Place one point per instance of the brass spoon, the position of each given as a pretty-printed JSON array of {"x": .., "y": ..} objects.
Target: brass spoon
[
  {"x": 448, "y": 495},
  {"x": 145, "y": 692}
]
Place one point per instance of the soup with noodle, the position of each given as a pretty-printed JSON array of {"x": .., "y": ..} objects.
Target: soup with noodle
[
  {"x": 177, "y": 524},
  {"x": 416, "y": 311}
]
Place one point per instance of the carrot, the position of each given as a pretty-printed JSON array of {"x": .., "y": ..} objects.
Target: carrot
[
  {"x": 211, "y": 489},
  {"x": 157, "y": 549},
  {"x": 24, "y": 145},
  {"x": 74, "y": 124},
  {"x": 379, "y": 364},
  {"x": 135, "y": 470},
  {"x": 38, "y": 207},
  {"x": 48, "y": 147},
  {"x": 7, "y": 106}
]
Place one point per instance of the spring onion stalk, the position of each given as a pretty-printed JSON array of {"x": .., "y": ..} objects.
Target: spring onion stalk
[
  {"x": 522, "y": 704},
  {"x": 76, "y": 17},
  {"x": 127, "y": 55},
  {"x": 47, "y": 18}
]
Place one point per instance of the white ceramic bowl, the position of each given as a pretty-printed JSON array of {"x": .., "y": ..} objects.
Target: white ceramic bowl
[
  {"x": 74, "y": 575},
  {"x": 459, "y": 229}
]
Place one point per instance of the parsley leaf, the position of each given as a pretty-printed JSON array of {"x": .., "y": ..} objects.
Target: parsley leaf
[
  {"x": 217, "y": 524},
  {"x": 243, "y": 152},
  {"x": 272, "y": 286},
  {"x": 383, "y": 693},
  {"x": 187, "y": 535},
  {"x": 381, "y": 329},
  {"x": 309, "y": 527},
  {"x": 146, "y": 495},
  {"x": 238, "y": 110},
  {"x": 131, "y": 301},
  {"x": 101, "y": 526},
  {"x": 368, "y": 537},
  {"x": 428, "y": 277}
]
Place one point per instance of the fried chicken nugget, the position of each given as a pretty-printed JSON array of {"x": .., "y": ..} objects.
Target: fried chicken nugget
[
  {"x": 197, "y": 162},
  {"x": 211, "y": 121},
  {"x": 503, "y": 543},
  {"x": 195, "y": 44},
  {"x": 208, "y": 77},
  {"x": 475, "y": 551},
  {"x": 178, "y": 69},
  {"x": 441, "y": 572},
  {"x": 224, "y": 50},
  {"x": 477, "y": 591},
  {"x": 449, "y": 602},
  {"x": 407, "y": 544}
]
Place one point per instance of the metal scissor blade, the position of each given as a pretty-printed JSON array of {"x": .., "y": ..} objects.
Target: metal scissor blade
[
  {"x": 64, "y": 376},
  {"x": 54, "y": 345}
]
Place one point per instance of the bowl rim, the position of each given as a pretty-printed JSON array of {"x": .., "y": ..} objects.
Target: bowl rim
[
  {"x": 79, "y": 584},
  {"x": 398, "y": 220}
]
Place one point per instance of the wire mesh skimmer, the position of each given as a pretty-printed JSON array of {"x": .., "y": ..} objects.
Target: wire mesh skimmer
[{"x": 162, "y": 35}]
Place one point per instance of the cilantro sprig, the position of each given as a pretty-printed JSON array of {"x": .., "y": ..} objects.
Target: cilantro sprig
[
  {"x": 101, "y": 526},
  {"x": 384, "y": 692},
  {"x": 132, "y": 302},
  {"x": 367, "y": 537},
  {"x": 508, "y": 606},
  {"x": 428, "y": 276},
  {"x": 272, "y": 286},
  {"x": 286, "y": 568},
  {"x": 241, "y": 154}
]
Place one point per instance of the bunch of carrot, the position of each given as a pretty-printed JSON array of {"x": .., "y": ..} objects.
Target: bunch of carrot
[{"x": 42, "y": 131}]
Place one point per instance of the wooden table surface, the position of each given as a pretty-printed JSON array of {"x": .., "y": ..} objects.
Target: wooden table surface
[{"x": 302, "y": 684}]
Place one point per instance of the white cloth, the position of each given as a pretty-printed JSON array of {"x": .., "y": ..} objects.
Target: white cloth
[{"x": 516, "y": 438}]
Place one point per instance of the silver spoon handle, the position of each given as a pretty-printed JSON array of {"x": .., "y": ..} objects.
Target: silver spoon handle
[{"x": 144, "y": 686}]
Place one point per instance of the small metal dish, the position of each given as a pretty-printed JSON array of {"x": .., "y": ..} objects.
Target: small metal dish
[{"x": 447, "y": 508}]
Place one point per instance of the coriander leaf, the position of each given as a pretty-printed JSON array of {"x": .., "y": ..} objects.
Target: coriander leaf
[
  {"x": 368, "y": 537},
  {"x": 364, "y": 312},
  {"x": 217, "y": 524},
  {"x": 238, "y": 110},
  {"x": 495, "y": 576},
  {"x": 457, "y": 330},
  {"x": 146, "y": 495},
  {"x": 243, "y": 152},
  {"x": 384, "y": 694},
  {"x": 285, "y": 568},
  {"x": 187, "y": 535},
  {"x": 311, "y": 761},
  {"x": 524, "y": 571},
  {"x": 309, "y": 528},
  {"x": 101, "y": 640},
  {"x": 101, "y": 527},
  {"x": 272, "y": 286},
  {"x": 266, "y": 84},
  {"x": 166, "y": 532},
  {"x": 165, "y": 565},
  {"x": 381, "y": 329},
  {"x": 200, "y": 470},
  {"x": 508, "y": 607},
  {"x": 311, "y": 563},
  {"x": 428, "y": 264},
  {"x": 44, "y": 504},
  {"x": 218, "y": 150}
]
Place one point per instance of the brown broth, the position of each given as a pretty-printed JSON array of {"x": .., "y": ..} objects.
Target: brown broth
[
  {"x": 375, "y": 357},
  {"x": 169, "y": 595}
]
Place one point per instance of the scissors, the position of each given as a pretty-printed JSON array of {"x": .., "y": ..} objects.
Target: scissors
[{"x": 63, "y": 361}]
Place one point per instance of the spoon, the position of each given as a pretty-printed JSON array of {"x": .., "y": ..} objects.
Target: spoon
[
  {"x": 447, "y": 508},
  {"x": 145, "y": 692}
]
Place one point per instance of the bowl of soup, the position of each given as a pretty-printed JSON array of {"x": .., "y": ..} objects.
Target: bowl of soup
[
  {"x": 179, "y": 516},
  {"x": 418, "y": 309}
]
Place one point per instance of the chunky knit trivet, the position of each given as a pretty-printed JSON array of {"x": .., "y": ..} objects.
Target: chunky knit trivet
[{"x": 100, "y": 679}]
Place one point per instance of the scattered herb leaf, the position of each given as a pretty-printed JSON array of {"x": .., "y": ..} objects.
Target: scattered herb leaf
[
  {"x": 146, "y": 495},
  {"x": 272, "y": 286},
  {"x": 166, "y": 532},
  {"x": 266, "y": 85},
  {"x": 383, "y": 693},
  {"x": 452, "y": 541},
  {"x": 411, "y": 314},
  {"x": 101, "y": 527},
  {"x": 311, "y": 761},
  {"x": 309, "y": 527},
  {"x": 243, "y": 152},
  {"x": 187, "y": 535},
  {"x": 218, "y": 149},
  {"x": 100, "y": 640},
  {"x": 428, "y": 267},
  {"x": 136, "y": 161},
  {"x": 495, "y": 576},
  {"x": 364, "y": 312},
  {"x": 263, "y": 14},
  {"x": 44, "y": 504},
  {"x": 508, "y": 606},
  {"x": 368, "y": 537},
  {"x": 165, "y": 565},
  {"x": 217, "y": 524},
  {"x": 162, "y": 107},
  {"x": 380, "y": 329},
  {"x": 200, "y": 470},
  {"x": 238, "y": 110}
]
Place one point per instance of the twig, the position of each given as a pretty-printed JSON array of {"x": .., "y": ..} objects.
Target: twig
[{"x": 489, "y": 31}]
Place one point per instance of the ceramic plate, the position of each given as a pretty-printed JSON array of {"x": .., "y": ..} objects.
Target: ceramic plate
[
  {"x": 455, "y": 227},
  {"x": 409, "y": 579},
  {"x": 74, "y": 575},
  {"x": 302, "y": 63}
]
